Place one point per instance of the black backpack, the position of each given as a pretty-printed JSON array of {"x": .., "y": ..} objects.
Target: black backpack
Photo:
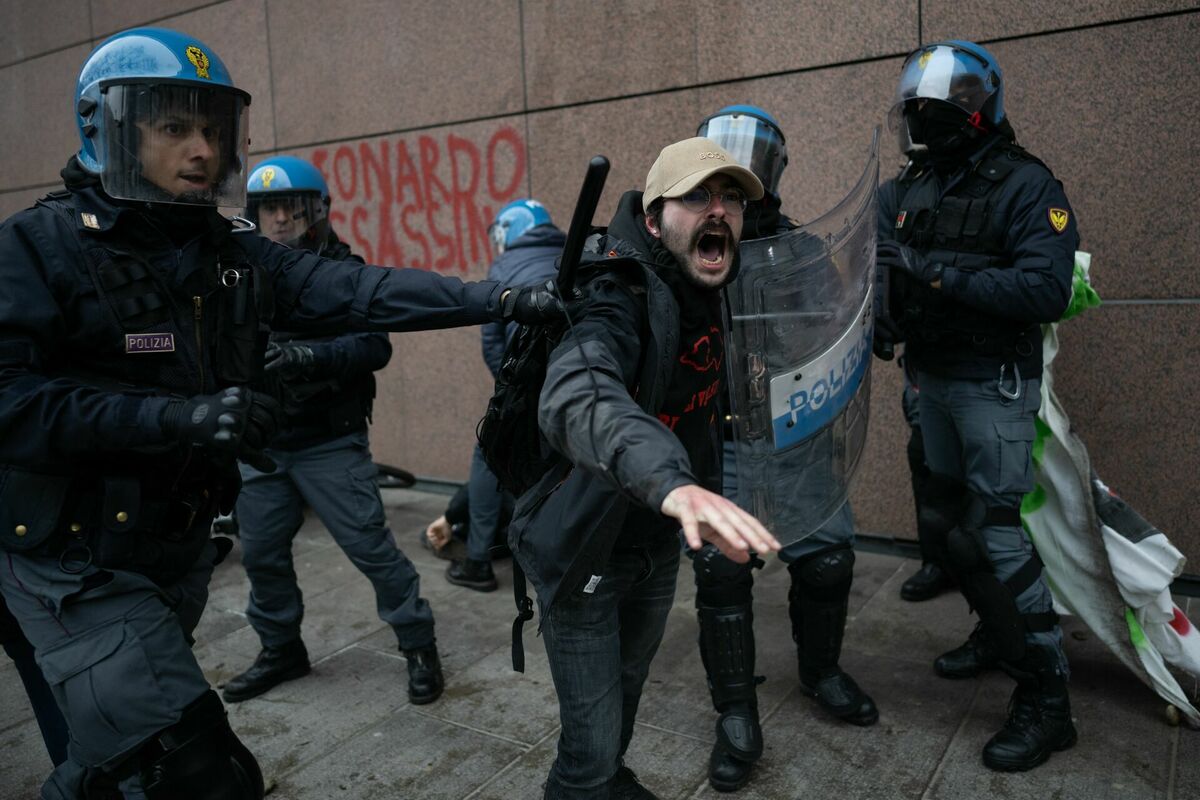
[{"x": 509, "y": 437}]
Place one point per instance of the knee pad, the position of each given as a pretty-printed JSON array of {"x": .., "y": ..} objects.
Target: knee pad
[
  {"x": 199, "y": 758},
  {"x": 943, "y": 504},
  {"x": 824, "y": 575},
  {"x": 720, "y": 582}
]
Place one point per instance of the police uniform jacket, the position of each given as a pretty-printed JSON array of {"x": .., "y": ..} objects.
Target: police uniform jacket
[
  {"x": 334, "y": 397},
  {"x": 1004, "y": 230},
  {"x": 108, "y": 310},
  {"x": 531, "y": 259}
]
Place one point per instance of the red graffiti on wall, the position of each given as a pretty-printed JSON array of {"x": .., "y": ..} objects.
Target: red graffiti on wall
[{"x": 422, "y": 201}]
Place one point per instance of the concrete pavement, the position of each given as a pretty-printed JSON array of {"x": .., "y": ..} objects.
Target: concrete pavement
[{"x": 347, "y": 730}]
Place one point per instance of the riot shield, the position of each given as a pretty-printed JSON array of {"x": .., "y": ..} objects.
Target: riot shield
[{"x": 800, "y": 356}]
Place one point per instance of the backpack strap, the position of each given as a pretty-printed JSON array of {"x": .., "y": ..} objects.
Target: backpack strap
[{"x": 524, "y": 614}]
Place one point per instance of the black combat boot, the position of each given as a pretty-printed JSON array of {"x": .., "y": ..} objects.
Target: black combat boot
[
  {"x": 926, "y": 583},
  {"x": 817, "y": 603},
  {"x": 727, "y": 650},
  {"x": 472, "y": 574},
  {"x": 626, "y": 786},
  {"x": 974, "y": 656},
  {"x": 273, "y": 666},
  {"x": 1039, "y": 715},
  {"x": 425, "y": 681}
]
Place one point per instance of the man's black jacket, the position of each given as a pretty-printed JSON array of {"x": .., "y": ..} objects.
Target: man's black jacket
[{"x": 616, "y": 453}]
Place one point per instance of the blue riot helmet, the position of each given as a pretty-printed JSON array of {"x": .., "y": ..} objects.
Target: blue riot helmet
[
  {"x": 753, "y": 137},
  {"x": 288, "y": 199},
  {"x": 160, "y": 120},
  {"x": 514, "y": 220},
  {"x": 947, "y": 93}
]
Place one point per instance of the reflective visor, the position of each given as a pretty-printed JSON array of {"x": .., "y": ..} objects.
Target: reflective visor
[
  {"x": 297, "y": 219},
  {"x": 175, "y": 143},
  {"x": 755, "y": 144},
  {"x": 943, "y": 73}
]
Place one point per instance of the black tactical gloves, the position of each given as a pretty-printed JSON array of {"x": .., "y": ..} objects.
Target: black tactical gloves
[
  {"x": 893, "y": 255},
  {"x": 235, "y": 422},
  {"x": 291, "y": 360},
  {"x": 531, "y": 305}
]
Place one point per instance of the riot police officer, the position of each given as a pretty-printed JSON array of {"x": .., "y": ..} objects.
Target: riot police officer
[
  {"x": 130, "y": 318},
  {"x": 820, "y": 566},
  {"x": 326, "y": 386},
  {"x": 979, "y": 240}
]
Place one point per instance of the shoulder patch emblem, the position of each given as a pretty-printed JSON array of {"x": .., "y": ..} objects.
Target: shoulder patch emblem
[
  {"x": 89, "y": 221},
  {"x": 1058, "y": 219},
  {"x": 903, "y": 215}
]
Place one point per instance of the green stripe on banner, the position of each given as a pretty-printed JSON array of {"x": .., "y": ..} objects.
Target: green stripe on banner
[
  {"x": 1033, "y": 502},
  {"x": 1039, "y": 442},
  {"x": 1136, "y": 634}
]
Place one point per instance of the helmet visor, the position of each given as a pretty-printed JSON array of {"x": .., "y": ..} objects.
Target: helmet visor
[
  {"x": 175, "y": 143},
  {"x": 945, "y": 73},
  {"x": 754, "y": 143},
  {"x": 297, "y": 219}
]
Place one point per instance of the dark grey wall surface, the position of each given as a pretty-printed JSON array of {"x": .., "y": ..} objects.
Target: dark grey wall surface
[{"x": 426, "y": 117}]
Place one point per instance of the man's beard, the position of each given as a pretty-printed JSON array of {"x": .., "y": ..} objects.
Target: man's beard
[{"x": 681, "y": 246}]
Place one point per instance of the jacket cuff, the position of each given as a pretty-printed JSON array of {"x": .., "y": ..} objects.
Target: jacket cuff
[
  {"x": 146, "y": 418},
  {"x": 659, "y": 493},
  {"x": 954, "y": 281}
]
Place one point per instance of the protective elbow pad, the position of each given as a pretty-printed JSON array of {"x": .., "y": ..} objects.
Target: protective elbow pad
[{"x": 200, "y": 758}]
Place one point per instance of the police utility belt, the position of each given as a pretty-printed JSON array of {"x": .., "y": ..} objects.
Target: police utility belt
[{"x": 108, "y": 525}]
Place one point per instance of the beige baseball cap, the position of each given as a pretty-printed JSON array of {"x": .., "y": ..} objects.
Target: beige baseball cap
[{"x": 683, "y": 166}]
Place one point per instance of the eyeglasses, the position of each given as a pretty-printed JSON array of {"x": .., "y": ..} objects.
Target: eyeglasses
[{"x": 698, "y": 200}]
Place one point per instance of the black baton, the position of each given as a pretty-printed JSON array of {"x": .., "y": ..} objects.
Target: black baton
[{"x": 581, "y": 223}]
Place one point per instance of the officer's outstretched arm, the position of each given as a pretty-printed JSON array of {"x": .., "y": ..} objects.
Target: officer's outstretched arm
[{"x": 311, "y": 292}]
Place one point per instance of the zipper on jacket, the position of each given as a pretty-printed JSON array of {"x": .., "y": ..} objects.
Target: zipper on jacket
[{"x": 197, "y": 319}]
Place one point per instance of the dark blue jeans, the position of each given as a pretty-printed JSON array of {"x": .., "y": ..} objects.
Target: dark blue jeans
[
  {"x": 337, "y": 480},
  {"x": 600, "y": 644},
  {"x": 486, "y": 503}
]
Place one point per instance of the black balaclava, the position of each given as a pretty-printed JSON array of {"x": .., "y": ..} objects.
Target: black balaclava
[{"x": 945, "y": 130}]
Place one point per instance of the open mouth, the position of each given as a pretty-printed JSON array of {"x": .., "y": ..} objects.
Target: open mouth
[{"x": 711, "y": 248}]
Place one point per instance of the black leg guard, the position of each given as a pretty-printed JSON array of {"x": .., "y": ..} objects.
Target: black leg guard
[
  {"x": 199, "y": 758},
  {"x": 726, "y": 617},
  {"x": 817, "y": 603},
  {"x": 727, "y": 649},
  {"x": 995, "y": 600}
]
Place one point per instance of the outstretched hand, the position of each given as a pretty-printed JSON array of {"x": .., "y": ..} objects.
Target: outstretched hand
[{"x": 708, "y": 517}]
